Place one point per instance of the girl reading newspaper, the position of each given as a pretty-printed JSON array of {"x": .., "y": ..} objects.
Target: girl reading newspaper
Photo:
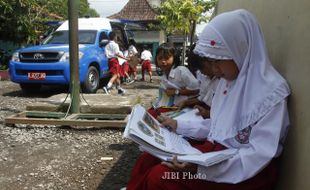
[{"x": 249, "y": 112}]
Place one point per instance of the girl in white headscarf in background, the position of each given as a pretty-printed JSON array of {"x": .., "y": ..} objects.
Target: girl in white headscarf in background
[{"x": 249, "y": 113}]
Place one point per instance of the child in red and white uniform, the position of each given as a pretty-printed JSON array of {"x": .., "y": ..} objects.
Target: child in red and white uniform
[
  {"x": 132, "y": 55},
  {"x": 177, "y": 82},
  {"x": 146, "y": 57},
  {"x": 113, "y": 52},
  {"x": 249, "y": 113}
]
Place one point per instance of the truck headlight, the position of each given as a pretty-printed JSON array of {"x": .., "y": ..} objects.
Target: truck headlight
[
  {"x": 66, "y": 56},
  {"x": 15, "y": 57}
]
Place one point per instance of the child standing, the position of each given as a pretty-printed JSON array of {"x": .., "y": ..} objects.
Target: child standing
[
  {"x": 177, "y": 83},
  {"x": 146, "y": 57},
  {"x": 113, "y": 52},
  {"x": 249, "y": 113}
]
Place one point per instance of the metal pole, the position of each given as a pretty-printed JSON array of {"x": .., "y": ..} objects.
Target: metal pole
[{"x": 74, "y": 56}]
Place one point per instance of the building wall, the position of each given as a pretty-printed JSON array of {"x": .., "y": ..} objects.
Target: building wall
[
  {"x": 147, "y": 36},
  {"x": 286, "y": 26},
  {"x": 154, "y": 3}
]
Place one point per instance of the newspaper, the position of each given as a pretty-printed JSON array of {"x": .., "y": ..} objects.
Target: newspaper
[
  {"x": 165, "y": 100},
  {"x": 146, "y": 131},
  {"x": 185, "y": 114}
]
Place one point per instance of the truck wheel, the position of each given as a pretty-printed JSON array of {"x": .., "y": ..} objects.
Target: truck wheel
[
  {"x": 91, "y": 83},
  {"x": 30, "y": 88}
]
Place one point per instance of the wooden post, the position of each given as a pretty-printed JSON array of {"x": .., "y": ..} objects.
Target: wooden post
[{"x": 74, "y": 56}]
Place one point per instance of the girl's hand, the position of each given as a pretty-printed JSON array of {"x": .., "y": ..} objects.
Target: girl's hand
[
  {"x": 170, "y": 91},
  {"x": 205, "y": 113},
  {"x": 167, "y": 122},
  {"x": 181, "y": 105},
  {"x": 181, "y": 166}
]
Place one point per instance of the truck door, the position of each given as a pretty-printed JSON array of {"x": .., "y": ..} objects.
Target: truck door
[{"x": 103, "y": 58}]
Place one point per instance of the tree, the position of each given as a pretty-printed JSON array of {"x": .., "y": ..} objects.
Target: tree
[
  {"x": 181, "y": 16},
  {"x": 22, "y": 21}
]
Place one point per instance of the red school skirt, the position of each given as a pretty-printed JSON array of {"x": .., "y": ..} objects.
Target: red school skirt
[
  {"x": 124, "y": 68},
  {"x": 148, "y": 173},
  {"x": 146, "y": 66},
  {"x": 114, "y": 66}
]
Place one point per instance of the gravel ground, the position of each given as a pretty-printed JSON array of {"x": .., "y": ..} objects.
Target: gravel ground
[{"x": 36, "y": 157}]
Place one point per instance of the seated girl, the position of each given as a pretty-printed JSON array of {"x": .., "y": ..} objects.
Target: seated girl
[
  {"x": 177, "y": 83},
  {"x": 249, "y": 112},
  {"x": 207, "y": 81}
]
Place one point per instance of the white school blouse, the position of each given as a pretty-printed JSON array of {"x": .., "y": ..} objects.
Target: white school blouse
[
  {"x": 146, "y": 55},
  {"x": 207, "y": 88},
  {"x": 179, "y": 77},
  {"x": 257, "y": 145},
  {"x": 204, "y": 80},
  {"x": 111, "y": 49},
  {"x": 132, "y": 50}
]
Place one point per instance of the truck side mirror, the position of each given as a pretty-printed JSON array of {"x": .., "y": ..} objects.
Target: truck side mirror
[{"x": 103, "y": 42}]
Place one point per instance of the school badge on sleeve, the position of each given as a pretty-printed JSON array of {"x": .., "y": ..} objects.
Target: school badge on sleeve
[{"x": 243, "y": 136}]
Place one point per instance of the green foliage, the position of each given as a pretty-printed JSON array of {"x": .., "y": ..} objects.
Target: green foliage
[
  {"x": 178, "y": 15},
  {"x": 21, "y": 21}
]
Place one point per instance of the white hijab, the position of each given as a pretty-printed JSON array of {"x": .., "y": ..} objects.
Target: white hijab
[{"x": 258, "y": 88}]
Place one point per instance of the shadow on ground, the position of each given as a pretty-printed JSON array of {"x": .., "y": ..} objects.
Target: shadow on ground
[
  {"x": 44, "y": 92},
  {"x": 119, "y": 174}
]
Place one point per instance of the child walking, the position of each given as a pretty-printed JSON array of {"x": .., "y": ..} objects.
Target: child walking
[
  {"x": 133, "y": 56},
  {"x": 124, "y": 68},
  {"x": 249, "y": 113},
  {"x": 113, "y": 52}
]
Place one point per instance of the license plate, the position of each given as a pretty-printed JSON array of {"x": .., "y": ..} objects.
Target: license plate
[{"x": 36, "y": 76}]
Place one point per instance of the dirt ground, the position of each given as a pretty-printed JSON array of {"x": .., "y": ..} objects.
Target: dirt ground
[{"x": 54, "y": 157}]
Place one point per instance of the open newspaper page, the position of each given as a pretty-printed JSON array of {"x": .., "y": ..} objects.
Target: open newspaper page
[
  {"x": 204, "y": 159},
  {"x": 185, "y": 114},
  {"x": 165, "y": 100},
  {"x": 143, "y": 129}
]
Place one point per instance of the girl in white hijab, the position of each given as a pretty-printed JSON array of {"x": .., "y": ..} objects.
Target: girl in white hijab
[{"x": 249, "y": 112}]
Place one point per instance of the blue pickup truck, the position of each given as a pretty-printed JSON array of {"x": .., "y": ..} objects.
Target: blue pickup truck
[{"x": 48, "y": 63}]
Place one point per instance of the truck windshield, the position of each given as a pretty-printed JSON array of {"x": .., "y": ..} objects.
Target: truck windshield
[{"x": 62, "y": 37}]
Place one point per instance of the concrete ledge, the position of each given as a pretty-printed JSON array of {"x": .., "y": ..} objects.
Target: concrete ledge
[{"x": 95, "y": 103}]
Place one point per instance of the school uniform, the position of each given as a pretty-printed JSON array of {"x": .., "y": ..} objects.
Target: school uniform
[
  {"x": 178, "y": 78},
  {"x": 125, "y": 69},
  {"x": 111, "y": 50},
  {"x": 248, "y": 113},
  {"x": 132, "y": 50},
  {"x": 146, "y": 57},
  {"x": 207, "y": 87},
  {"x": 123, "y": 64},
  {"x": 132, "y": 53}
]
